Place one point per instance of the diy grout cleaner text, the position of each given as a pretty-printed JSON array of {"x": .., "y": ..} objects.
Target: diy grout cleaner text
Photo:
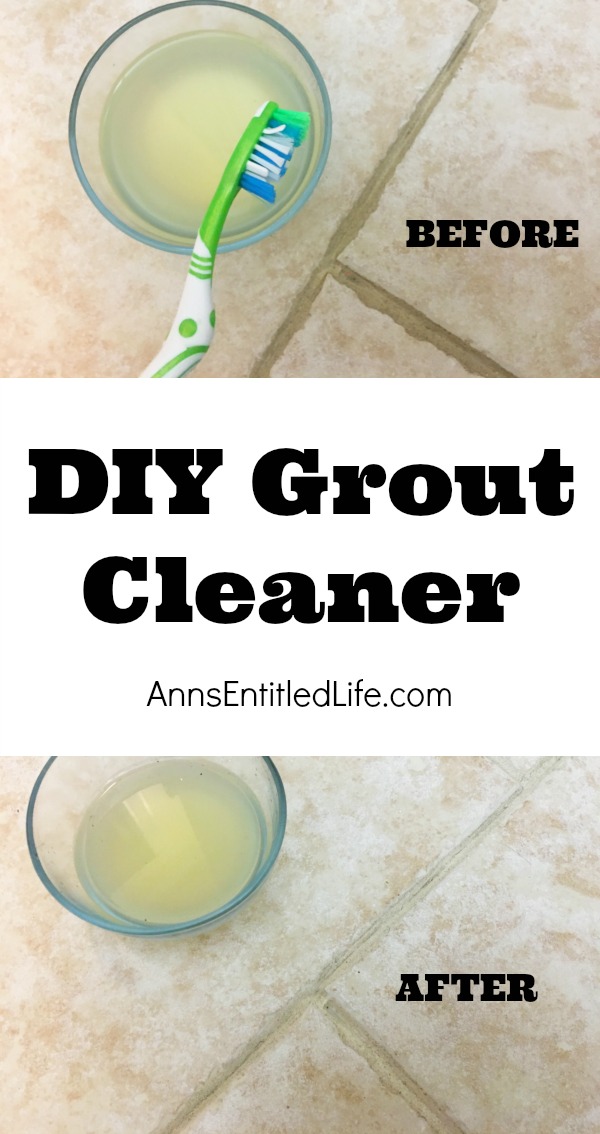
[{"x": 227, "y": 597}]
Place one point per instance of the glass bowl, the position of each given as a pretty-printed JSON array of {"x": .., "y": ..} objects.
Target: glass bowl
[
  {"x": 67, "y": 787},
  {"x": 156, "y": 30}
]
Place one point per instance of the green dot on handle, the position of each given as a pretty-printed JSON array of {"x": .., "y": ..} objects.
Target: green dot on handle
[
  {"x": 187, "y": 328},
  {"x": 212, "y": 317}
]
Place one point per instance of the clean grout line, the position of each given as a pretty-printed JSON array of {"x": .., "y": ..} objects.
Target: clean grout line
[
  {"x": 418, "y": 325},
  {"x": 218, "y": 1083},
  {"x": 370, "y": 195},
  {"x": 505, "y": 764},
  {"x": 314, "y": 993},
  {"x": 506, "y": 767},
  {"x": 389, "y": 1071},
  {"x": 403, "y": 904}
]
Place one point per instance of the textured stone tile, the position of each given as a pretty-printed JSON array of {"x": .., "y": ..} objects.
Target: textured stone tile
[
  {"x": 111, "y": 1035},
  {"x": 344, "y": 338},
  {"x": 307, "y": 1081},
  {"x": 83, "y": 300},
  {"x": 515, "y": 135},
  {"x": 560, "y": 827},
  {"x": 528, "y": 900}
]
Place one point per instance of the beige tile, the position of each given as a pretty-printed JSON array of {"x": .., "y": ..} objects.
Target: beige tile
[
  {"x": 560, "y": 827},
  {"x": 515, "y": 135},
  {"x": 83, "y": 300},
  {"x": 110, "y": 1035},
  {"x": 344, "y": 338},
  {"x": 526, "y": 901},
  {"x": 308, "y": 1081}
]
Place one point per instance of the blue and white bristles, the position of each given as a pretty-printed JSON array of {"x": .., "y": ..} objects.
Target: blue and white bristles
[
  {"x": 268, "y": 163},
  {"x": 270, "y": 158}
]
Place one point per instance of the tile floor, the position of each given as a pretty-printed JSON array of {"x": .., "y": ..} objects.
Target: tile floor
[
  {"x": 285, "y": 1018},
  {"x": 442, "y": 108}
]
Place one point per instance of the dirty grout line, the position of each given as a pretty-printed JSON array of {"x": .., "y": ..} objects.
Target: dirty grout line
[
  {"x": 418, "y": 325},
  {"x": 389, "y": 1071},
  {"x": 315, "y": 994},
  {"x": 369, "y": 197}
]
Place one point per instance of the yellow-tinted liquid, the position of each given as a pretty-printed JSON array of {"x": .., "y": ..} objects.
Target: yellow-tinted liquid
[
  {"x": 169, "y": 841},
  {"x": 174, "y": 117}
]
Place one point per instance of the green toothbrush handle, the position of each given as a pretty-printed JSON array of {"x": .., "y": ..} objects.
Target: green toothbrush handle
[{"x": 193, "y": 326}]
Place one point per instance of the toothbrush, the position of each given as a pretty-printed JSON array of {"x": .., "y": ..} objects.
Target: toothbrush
[{"x": 257, "y": 163}]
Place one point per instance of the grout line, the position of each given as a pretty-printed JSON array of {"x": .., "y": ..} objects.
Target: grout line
[
  {"x": 353, "y": 1032},
  {"x": 218, "y": 1083},
  {"x": 418, "y": 325},
  {"x": 388, "y": 1070},
  {"x": 293, "y": 322},
  {"x": 370, "y": 195},
  {"x": 420, "y": 889},
  {"x": 314, "y": 992},
  {"x": 511, "y": 770},
  {"x": 506, "y": 767}
]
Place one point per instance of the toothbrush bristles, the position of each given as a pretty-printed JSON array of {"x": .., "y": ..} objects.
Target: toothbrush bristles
[{"x": 271, "y": 156}]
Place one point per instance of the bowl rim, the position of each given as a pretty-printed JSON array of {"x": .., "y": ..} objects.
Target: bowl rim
[
  {"x": 168, "y": 930},
  {"x": 163, "y": 245}
]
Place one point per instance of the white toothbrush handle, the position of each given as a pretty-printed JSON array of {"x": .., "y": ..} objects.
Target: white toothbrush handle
[{"x": 193, "y": 326}]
